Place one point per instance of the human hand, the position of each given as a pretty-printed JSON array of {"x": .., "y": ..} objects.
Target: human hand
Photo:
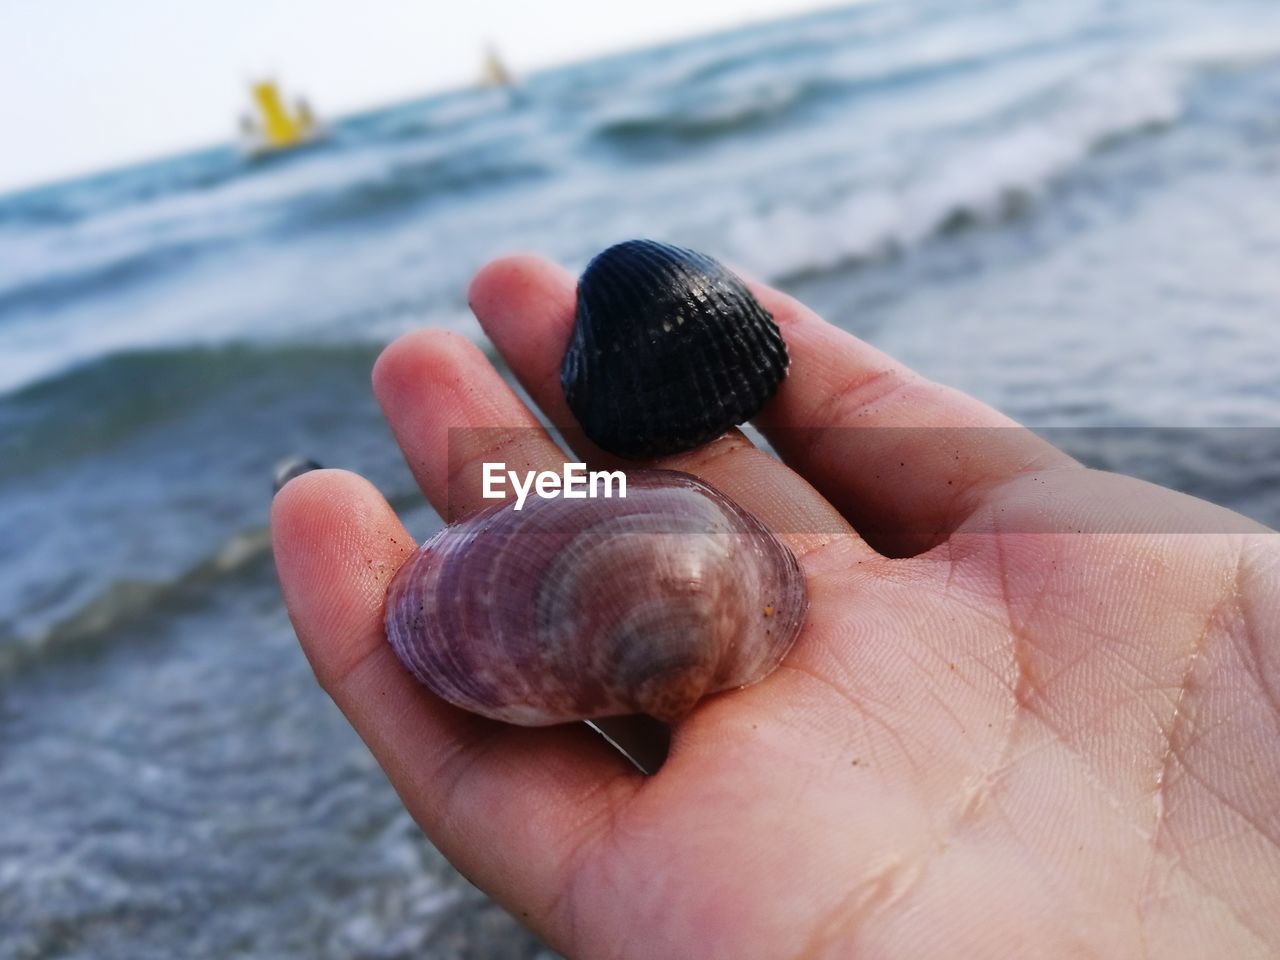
[{"x": 1049, "y": 725}]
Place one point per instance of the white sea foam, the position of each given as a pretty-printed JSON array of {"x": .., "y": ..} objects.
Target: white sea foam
[
  {"x": 982, "y": 179},
  {"x": 1214, "y": 41}
]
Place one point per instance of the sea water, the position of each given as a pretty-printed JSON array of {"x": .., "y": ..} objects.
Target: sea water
[{"x": 1071, "y": 210}]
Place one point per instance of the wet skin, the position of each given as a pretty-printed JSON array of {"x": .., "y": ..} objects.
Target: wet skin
[{"x": 1040, "y": 718}]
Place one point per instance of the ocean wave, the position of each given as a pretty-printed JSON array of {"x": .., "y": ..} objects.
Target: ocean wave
[
  {"x": 980, "y": 181},
  {"x": 111, "y": 398},
  {"x": 39, "y": 208},
  {"x": 407, "y": 185},
  {"x": 708, "y": 116},
  {"x": 75, "y": 200},
  {"x": 54, "y": 289},
  {"x": 432, "y": 115},
  {"x": 125, "y": 600},
  {"x": 56, "y": 271},
  {"x": 733, "y": 92},
  {"x": 241, "y": 555},
  {"x": 716, "y": 114},
  {"x": 1214, "y": 42}
]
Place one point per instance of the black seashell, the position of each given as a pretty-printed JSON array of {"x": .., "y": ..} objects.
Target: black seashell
[
  {"x": 669, "y": 350},
  {"x": 291, "y": 467}
]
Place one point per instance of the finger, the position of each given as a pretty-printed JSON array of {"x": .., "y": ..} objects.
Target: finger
[
  {"x": 514, "y": 809},
  {"x": 451, "y": 412},
  {"x": 906, "y": 460},
  {"x": 526, "y": 306}
]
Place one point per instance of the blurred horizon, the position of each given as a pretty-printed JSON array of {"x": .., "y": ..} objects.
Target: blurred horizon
[{"x": 201, "y": 98}]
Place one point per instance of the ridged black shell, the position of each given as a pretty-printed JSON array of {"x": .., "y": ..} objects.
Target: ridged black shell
[{"x": 669, "y": 350}]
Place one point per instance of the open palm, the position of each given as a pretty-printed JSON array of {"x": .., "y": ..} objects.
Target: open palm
[{"x": 1040, "y": 718}]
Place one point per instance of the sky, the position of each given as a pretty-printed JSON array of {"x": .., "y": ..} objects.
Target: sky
[{"x": 91, "y": 84}]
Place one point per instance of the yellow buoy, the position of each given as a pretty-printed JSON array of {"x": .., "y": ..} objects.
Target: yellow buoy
[{"x": 277, "y": 127}]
